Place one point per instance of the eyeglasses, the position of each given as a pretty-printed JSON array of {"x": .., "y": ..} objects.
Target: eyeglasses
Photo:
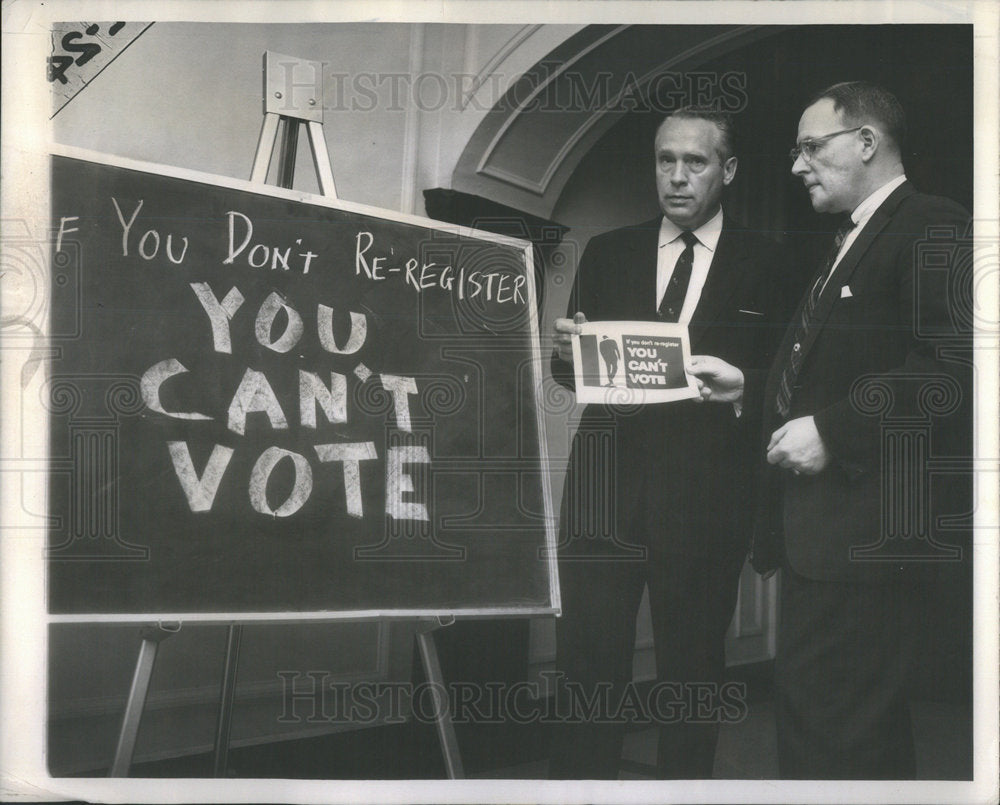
[{"x": 807, "y": 148}]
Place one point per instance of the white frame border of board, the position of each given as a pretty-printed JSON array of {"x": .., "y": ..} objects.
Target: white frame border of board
[{"x": 293, "y": 616}]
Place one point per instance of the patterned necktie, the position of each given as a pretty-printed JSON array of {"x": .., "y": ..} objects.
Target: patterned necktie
[
  {"x": 673, "y": 297},
  {"x": 794, "y": 361}
]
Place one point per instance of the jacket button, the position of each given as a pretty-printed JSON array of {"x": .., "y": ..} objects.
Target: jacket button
[{"x": 797, "y": 347}]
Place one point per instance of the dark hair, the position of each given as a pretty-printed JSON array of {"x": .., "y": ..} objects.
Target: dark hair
[
  {"x": 861, "y": 102},
  {"x": 723, "y": 122}
]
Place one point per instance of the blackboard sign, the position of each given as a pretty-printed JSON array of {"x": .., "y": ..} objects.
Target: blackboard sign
[{"x": 271, "y": 405}]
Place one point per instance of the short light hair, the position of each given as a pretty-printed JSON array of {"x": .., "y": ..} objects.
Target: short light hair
[
  {"x": 723, "y": 121},
  {"x": 861, "y": 102}
]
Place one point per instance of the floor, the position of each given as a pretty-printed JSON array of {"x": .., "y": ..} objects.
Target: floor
[{"x": 748, "y": 750}]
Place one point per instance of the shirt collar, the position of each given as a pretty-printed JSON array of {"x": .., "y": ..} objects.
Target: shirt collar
[
  {"x": 867, "y": 207},
  {"x": 708, "y": 233}
]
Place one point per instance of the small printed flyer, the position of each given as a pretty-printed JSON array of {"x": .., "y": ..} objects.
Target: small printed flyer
[{"x": 632, "y": 363}]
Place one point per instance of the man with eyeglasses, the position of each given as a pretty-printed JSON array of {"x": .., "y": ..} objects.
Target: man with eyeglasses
[
  {"x": 871, "y": 344},
  {"x": 660, "y": 496}
]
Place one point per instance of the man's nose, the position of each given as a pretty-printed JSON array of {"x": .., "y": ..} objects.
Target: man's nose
[
  {"x": 678, "y": 174},
  {"x": 799, "y": 166}
]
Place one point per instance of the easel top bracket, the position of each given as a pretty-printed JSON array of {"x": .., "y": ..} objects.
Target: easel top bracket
[
  {"x": 293, "y": 87},
  {"x": 293, "y": 95}
]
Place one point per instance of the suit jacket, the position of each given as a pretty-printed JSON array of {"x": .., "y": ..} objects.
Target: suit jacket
[
  {"x": 678, "y": 474},
  {"x": 873, "y": 370}
]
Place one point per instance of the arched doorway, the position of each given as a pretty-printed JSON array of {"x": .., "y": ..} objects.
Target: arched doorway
[{"x": 571, "y": 143}]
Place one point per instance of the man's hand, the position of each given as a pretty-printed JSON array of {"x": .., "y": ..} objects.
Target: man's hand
[
  {"x": 564, "y": 330},
  {"x": 717, "y": 380},
  {"x": 797, "y": 446}
]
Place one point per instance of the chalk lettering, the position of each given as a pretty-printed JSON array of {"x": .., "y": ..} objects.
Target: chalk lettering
[
  {"x": 501, "y": 287},
  {"x": 170, "y": 250},
  {"x": 359, "y": 253},
  {"x": 219, "y": 315},
  {"x": 477, "y": 283},
  {"x": 265, "y": 323},
  {"x": 154, "y": 377},
  {"x": 200, "y": 492},
  {"x": 400, "y": 387},
  {"x": 234, "y": 252},
  {"x": 301, "y": 489},
  {"x": 397, "y": 481},
  {"x": 350, "y": 454},
  {"x": 255, "y": 395},
  {"x": 411, "y": 277},
  {"x": 126, "y": 226},
  {"x": 264, "y": 253},
  {"x": 308, "y": 255},
  {"x": 518, "y": 285},
  {"x": 356, "y": 339},
  {"x": 425, "y": 280},
  {"x": 156, "y": 244},
  {"x": 332, "y": 401},
  {"x": 64, "y": 231},
  {"x": 278, "y": 257},
  {"x": 261, "y": 254},
  {"x": 149, "y": 243}
]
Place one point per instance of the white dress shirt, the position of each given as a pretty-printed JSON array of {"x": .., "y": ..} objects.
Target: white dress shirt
[{"x": 670, "y": 248}]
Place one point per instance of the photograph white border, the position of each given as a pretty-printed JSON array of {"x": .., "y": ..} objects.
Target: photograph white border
[{"x": 25, "y": 139}]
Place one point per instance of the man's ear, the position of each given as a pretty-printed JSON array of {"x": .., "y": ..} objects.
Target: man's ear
[
  {"x": 870, "y": 140},
  {"x": 729, "y": 170}
]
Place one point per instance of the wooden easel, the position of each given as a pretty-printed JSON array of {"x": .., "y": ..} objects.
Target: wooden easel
[{"x": 288, "y": 103}]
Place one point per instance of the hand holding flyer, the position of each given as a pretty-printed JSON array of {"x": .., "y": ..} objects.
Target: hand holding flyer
[{"x": 632, "y": 363}]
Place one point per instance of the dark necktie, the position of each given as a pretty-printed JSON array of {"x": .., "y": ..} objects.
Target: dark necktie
[
  {"x": 794, "y": 360},
  {"x": 673, "y": 297}
]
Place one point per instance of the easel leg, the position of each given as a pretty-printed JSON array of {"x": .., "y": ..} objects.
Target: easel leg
[
  {"x": 224, "y": 723},
  {"x": 265, "y": 145},
  {"x": 445, "y": 729},
  {"x": 151, "y": 639},
  {"x": 321, "y": 159}
]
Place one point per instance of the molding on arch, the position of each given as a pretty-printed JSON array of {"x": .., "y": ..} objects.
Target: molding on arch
[
  {"x": 546, "y": 83},
  {"x": 499, "y": 57},
  {"x": 528, "y": 145}
]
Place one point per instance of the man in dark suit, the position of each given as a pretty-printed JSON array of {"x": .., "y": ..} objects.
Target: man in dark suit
[
  {"x": 611, "y": 354},
  {"x": 872, "y": 375},
  {"x": 656, "y": 495}
]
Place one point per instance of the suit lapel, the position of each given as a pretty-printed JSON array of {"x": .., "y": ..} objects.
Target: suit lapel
[
  {"x": 641, "y": 271},
  {"x": 845, "y": 269},
  {"x": 722, "y": 280},
  {"x": 720, "y": 285},
  {"x": 847, "y": 266}
]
